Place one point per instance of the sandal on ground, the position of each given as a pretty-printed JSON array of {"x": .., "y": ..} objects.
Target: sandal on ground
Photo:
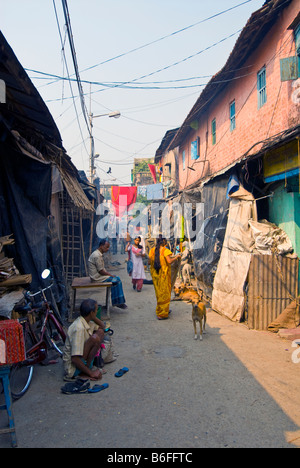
[
  {"x": 121, "y": 372},
  {"x": 97, "y": 388},
  {"x": 79, "y": 386}
]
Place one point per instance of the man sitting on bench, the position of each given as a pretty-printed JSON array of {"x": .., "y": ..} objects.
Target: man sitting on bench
[{"x": 97, "y": 272}]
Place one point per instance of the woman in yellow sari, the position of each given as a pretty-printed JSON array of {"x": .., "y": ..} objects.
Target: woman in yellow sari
[{"x": 161, "y": 259}]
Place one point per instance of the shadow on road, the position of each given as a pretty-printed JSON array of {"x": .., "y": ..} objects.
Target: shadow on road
[{"x": 178, "y": 393}]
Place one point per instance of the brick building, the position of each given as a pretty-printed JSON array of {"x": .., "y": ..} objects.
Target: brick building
[
  {"x": 247, "y": 103},
  {"x": 246, "y": 124}
]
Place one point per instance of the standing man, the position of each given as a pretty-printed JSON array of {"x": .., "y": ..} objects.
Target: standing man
[
  {"x": 123, "y": 241},
  {"x": 97, "y": 272}
]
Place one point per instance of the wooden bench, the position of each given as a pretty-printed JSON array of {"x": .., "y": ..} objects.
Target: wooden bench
[{"x": 86, "y": 283}]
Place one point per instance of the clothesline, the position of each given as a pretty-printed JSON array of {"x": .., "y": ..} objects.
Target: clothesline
[{"x": 123, "y": 198}]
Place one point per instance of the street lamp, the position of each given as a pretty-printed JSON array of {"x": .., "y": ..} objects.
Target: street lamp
[{"x": 115, "y": 115}]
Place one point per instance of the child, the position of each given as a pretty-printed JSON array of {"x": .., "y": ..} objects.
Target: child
[{"x": 138, "y": 272}]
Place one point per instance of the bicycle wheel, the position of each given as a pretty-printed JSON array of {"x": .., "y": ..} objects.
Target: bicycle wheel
[
  {"x": 20, "y": 379},
  {"x": 21, "y": 372}
]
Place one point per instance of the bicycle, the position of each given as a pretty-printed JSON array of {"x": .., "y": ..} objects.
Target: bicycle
[{"x": 40, "y": 336}]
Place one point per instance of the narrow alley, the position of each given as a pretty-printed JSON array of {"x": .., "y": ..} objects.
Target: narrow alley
[
  {"x": 197, "y": 173},
  {"x": 236, "y": 388}
]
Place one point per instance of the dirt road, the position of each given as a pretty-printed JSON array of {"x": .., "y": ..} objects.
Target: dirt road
[{"x": 236, "y": 388}]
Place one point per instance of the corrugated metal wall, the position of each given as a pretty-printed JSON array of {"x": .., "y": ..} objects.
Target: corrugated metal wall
[{"x": 272, "y": 285}]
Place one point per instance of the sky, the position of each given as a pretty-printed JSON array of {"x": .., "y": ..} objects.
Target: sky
[{"x": 147, "y": 59}]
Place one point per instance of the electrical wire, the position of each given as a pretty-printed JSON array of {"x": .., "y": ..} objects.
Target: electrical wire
[
  {"x": 69, "y": 79},
  {"x": 167, "y": 36},
  {"x": 123, "y": 84},
  {"x": 73, "y": 53}
]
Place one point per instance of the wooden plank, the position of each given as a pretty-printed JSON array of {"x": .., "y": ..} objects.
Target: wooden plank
[
  {"x": 273, "y": 284},
  {"x": 86, "y": 282}
]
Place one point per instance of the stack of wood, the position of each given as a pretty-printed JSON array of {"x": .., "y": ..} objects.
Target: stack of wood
[{"x": 9, "y": 275}]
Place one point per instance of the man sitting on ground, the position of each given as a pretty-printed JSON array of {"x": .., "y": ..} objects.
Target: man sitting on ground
[
  {"x": 97, "y": 272},
  {"x": 83, "y": 342}
]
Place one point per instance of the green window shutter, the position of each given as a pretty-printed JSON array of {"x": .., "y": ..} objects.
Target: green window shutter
[
  {"x": 214, "y": 131},
  {"x": 289, "y": 68},
  {"x": 232, "y": 115},
  {"x": 297, "y": 42},
  {"x": 261, "y": 87}
]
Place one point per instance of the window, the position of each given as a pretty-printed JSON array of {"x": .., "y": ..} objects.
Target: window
[
  {"x": 213, "y": 131},
  {"x": 261, "y": 87},
  {"x": 232, "y": 115},
  {"x": 290, "y": 66},
  {"x": 195, "y": 149},
  {"x": 168, "y": 170},
  {"x": 297, "y": 42},
  {"x": 183, "y": 160}
]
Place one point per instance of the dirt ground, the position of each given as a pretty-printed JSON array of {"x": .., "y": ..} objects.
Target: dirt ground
[{"x": 236, "y": 388}]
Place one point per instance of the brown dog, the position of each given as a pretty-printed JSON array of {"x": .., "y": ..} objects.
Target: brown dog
[
  {"x": 183, "y": 293},
  {"x": 199, "y": 315}
]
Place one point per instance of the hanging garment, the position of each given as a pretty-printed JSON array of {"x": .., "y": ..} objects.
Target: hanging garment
[
  {"x": 152, "y": 169},
  {"x": 155, "y": 192},
  {"x": 123, "y": 199}
]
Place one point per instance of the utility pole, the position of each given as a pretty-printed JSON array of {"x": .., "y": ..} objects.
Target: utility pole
[
  {"x": 91, "y": 139},
  {"x": 93, "y": 156}
]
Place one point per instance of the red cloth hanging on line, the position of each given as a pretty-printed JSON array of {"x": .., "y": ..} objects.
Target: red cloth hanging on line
[
  {"x": 123, "y": 198},
  {"x": 152, "y": 169}
]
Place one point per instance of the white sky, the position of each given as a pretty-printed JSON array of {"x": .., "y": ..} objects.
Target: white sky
[{"x": 103, "y": 30}]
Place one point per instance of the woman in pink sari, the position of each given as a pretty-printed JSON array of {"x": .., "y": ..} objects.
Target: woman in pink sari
[{"x": 136, "y": 256}]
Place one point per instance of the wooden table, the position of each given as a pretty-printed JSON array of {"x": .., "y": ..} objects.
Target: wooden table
[{"x": 86, "y": 283}]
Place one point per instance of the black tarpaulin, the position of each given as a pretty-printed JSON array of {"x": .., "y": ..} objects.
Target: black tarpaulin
[
  {"x": 210, "y": 227},
  {"x": 25, "y": 194}
]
